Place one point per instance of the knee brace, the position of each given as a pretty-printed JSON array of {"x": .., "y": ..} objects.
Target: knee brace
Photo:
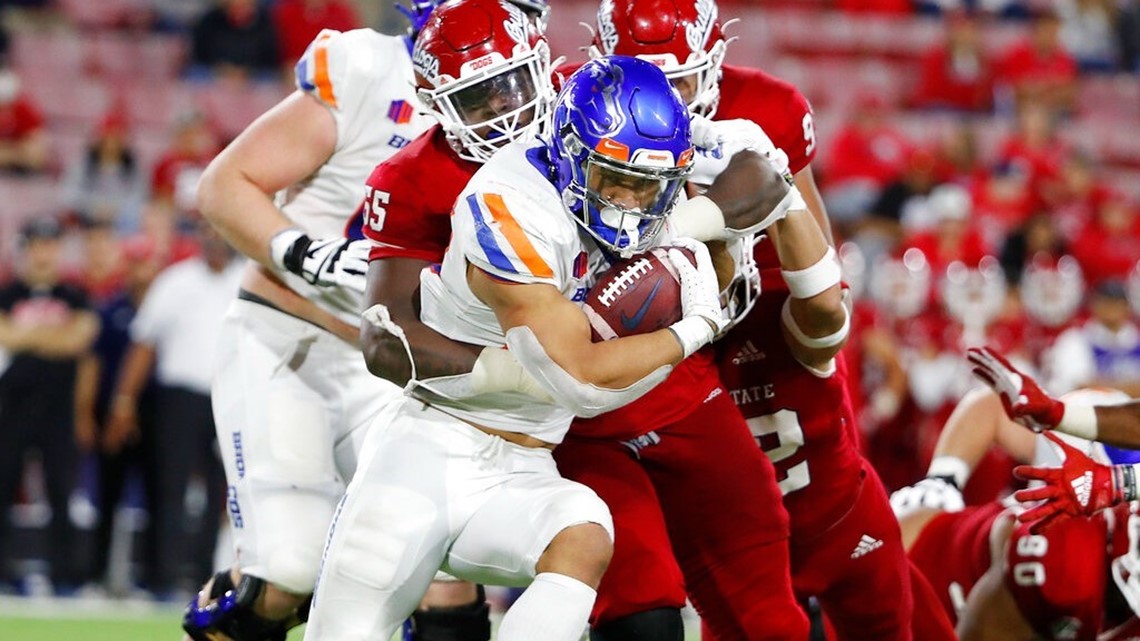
[
  {"x": 230, "y": 611},
  {"x": 660, "y": 624},
  {"x": 471, "y": 622}
]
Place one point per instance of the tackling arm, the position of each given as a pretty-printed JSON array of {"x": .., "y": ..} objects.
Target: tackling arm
[
  {"x": 805, "y": 182},
  {"x": 815, "y": 320},
  {"x": 563, "y": 332},
  {"x": 1119, "y": 425},
  {"x": 393, "y": 283}
]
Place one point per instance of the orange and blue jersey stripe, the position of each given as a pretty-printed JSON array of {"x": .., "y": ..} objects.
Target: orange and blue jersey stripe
[
  {"x": 312, "y": 70},
  {"x": 521, "y": 256}
]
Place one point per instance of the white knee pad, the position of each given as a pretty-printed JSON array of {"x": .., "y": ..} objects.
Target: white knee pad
[
  {"x": 293, "y": 565},
  {"x": 575, "y": 506}
]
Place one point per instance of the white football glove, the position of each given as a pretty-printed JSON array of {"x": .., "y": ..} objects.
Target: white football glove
[
  {"x": 933, "y": 492},
  {"x": 701, "y": 317},
  {"x": 326, "y": 262},
  {"x": 717, "y": 141}
]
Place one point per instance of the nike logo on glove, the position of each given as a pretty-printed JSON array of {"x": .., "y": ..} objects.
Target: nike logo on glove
[{"x": 631, "y": 324}]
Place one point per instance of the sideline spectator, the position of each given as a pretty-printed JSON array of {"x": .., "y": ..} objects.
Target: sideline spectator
[
  {"x": 176, "y": 331},
  {"x": 1088, "y": 31},
  {"x": 98, "y": 373},
  {"x": 1128, "y": 27},
  {"x": 23, "y": 142},
  {"x": 1037, "y": 69},
  {"x": 106, "y": 182},
  {"x": 299, "y": 21},
  {"x": 45, "y": 326},
  {"x": 1104, "y": 352},
  {"x": 865, "y": 155},
  {"x": 958, "y": 73},
  {"x": 1109, "y": 247},
  {"x": 235, "y": 39},
  {"x": 178, "y": 15},
  {"x": 193, "y": 146}
]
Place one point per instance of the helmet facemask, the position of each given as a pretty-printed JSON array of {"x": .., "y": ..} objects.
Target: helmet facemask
[
  {"x": 741, "y": 294},
  {"x": 621, "y": 204},
  {"x": 506, "y": 101}
]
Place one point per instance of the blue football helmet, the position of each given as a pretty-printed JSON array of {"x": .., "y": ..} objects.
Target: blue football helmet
[
  {"x": 621, "y": 147},
  {"x": 417, "y": 12}
]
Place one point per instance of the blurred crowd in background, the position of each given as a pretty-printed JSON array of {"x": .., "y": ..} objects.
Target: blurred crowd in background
[{"x": 980, "y": 161}]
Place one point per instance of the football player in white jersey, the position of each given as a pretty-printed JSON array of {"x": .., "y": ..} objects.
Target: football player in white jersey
[
  {"x": 291, "y": 394},
  {"x": 459, "y": 475}
]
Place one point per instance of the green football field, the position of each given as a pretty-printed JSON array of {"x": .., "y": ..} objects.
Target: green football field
[{"x": 106, "y": 620}]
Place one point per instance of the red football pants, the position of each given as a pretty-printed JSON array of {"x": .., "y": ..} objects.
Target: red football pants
[
  {"x": 858, "y": 571},
  {"x": 702, "y": 484}
]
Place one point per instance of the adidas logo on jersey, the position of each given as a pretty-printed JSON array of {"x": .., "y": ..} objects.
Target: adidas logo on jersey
[
  {"x": 1082, "y": 487},
  {"x": 867, "y": 545},
  {"x": 748, "y": 354}
]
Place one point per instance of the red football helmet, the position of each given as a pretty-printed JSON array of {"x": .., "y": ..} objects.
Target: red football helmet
[
  {"x": 682, "y": 37},
  {"x": 484, "y": 69},
  {"x": 1052, "y": 291},
  {"x": 901, "y": 286}
]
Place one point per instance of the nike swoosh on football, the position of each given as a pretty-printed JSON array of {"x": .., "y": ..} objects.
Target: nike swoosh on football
[{"x": 632, "y": 323}]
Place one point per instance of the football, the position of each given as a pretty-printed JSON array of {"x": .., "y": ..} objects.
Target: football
[{"x": 635, "y": 296}]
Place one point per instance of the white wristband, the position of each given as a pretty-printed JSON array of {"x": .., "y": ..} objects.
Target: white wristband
[
  {"x": 1079, "y": 420},
  {"x": 280, "y": 243},
  {"x": 951, "y": 466},
  {"x": 815, "y": 342},
  {"x": 699, "y": 218},
  {"x": 693, "y": 333},
  {"x": 813, "y": 280}
]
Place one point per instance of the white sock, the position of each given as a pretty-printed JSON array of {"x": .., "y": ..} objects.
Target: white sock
[{"x": 554, "y": 608}]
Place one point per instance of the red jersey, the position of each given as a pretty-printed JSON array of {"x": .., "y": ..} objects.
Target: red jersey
[
  {"x": 802, "y": 419},
  {"x": 777, "y": 106},
  {"x": 18, "y": 119},
  {"x": 408, "y": 199},
  {"x": 1057, "y": 579},
  {"x": 953, "y": 552},
  {"x": 298, "y": 24},
  {"x": 408, "y": 202},
  {"x": 1022, "y": 63}
]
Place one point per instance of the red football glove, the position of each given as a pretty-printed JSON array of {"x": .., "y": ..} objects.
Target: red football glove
[
  {"x": 1024, "y": 400},
  {"x": 1080, "y": 487}
]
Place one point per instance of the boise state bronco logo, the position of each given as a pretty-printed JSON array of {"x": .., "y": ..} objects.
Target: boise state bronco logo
[
  {"x": 697, "y": 34},
  {"x": 605, "y": 116},
  {"x": 607, "y": 32}
]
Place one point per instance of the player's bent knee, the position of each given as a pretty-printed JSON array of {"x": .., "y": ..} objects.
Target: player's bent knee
[
  {"x": 293, "y": 568},
  {"x": 582, "y": 551},
  {"x": 658, "y": 624},
  {"x": 468, "y": 622}
]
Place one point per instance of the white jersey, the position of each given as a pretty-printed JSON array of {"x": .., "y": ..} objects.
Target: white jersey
[
  {"x": 366, "y": 81},
  {"x": 509, "y": 222}
]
